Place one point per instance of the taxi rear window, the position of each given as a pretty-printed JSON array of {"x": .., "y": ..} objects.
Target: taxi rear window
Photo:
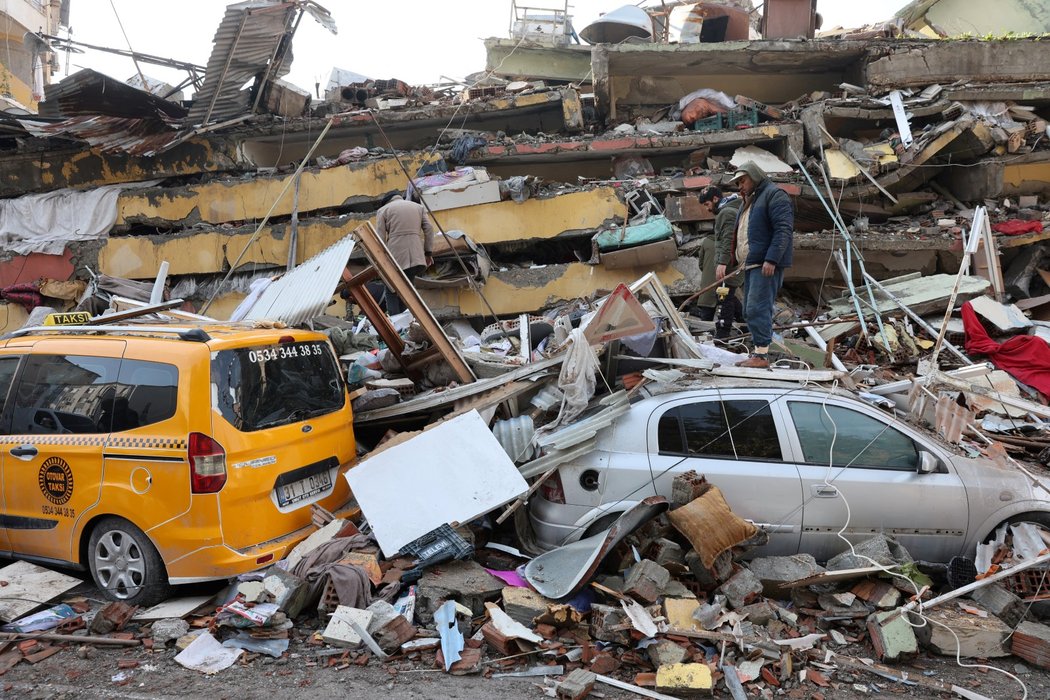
[{"x": 272, "y": 385}]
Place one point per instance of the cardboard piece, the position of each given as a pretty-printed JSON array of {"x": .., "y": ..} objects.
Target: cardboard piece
[
  {"x": 452, "y": 473},
  {"x": 641, "y": 256}
]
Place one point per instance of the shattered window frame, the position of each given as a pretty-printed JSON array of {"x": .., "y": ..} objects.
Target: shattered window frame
[{"x": 846, "y": 430}]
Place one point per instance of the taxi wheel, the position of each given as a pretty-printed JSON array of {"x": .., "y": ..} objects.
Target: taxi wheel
[{"x": 125, "y": 564}]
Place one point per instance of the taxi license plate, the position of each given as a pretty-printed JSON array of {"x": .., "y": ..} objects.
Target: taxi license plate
[{"x": 304, "y": 488}]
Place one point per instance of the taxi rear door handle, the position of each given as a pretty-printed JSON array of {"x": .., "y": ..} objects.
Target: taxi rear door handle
[{"x": 24, "y": 451}]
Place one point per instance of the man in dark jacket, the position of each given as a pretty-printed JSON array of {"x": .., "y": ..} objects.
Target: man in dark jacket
[
  {"x": 764, "y": 238},
  {"x": 715, "y": 253}
]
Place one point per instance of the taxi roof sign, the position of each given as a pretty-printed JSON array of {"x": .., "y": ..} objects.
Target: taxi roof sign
[{"x": 69, "y": 318}]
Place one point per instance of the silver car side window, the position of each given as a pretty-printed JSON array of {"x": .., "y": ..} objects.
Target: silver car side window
[
  {"x": 731, "y": 429},
  {"x": 859, "y": 440}
]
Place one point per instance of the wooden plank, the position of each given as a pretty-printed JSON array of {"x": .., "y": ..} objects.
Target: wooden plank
[
  {"x": 392, "y": 274},
  {"x": 28, "y": 586}
]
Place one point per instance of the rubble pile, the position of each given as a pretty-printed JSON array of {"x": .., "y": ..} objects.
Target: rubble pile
[
  {"x": 674, "y": 602},
  {"x": 493, "y": 530}
]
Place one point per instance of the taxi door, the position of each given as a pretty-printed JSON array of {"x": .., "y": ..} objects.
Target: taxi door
[
  {"x": 8, "y": 370},
  {"x": 60, "y": 413}
]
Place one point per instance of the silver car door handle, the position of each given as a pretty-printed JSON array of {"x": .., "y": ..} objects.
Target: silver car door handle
[
  {"x": 771, "y": 528},
  {"x": 824, "y": 491}
]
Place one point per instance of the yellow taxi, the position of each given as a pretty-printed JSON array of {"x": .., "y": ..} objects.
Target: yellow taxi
[{"x": 167, "y": 454}]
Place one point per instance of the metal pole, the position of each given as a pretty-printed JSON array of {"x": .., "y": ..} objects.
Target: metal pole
[
  {"x": 849, "y": 280},
  {"x": 959, "y": 592},
  {"x": 916, "y": 317},
  {"x": 970, "y": 245}
]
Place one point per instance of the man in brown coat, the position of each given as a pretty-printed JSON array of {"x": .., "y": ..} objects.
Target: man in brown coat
[{"x": 407, "y": 232}]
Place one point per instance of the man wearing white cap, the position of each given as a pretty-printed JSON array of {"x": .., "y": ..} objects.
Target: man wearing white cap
[{"x": 764, "y": 233}]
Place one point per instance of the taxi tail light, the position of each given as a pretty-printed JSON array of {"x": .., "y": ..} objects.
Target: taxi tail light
[
  {"x": 552, "y": 489},
  {"x": 207, "y": 464}
]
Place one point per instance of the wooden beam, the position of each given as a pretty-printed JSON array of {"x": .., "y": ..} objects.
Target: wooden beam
[{"x": 395, "y": 279}]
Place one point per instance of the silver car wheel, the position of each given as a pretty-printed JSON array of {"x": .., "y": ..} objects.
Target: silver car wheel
[{"x": 119, "y": 564}]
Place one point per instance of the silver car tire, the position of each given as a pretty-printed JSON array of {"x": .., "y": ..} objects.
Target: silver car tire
[{"x": 125, "y": 565}]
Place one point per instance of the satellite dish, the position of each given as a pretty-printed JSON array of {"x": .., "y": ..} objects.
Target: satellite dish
[{"x": 614, "y": 27}]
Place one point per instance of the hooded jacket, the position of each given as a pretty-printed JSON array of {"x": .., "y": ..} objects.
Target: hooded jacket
[
  {"x": 725, "y": 232},
  {"x": 770, "y": 228}
]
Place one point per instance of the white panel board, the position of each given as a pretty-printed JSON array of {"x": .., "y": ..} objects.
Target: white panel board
[
  {"x": 452, "y": 473},
  {"x": 25, "y": 587}
]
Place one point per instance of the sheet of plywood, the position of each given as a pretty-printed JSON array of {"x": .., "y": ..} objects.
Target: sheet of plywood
[
  {"x": 449, "y": 474},
  {"x": 27, "y": 586},
  {"x": 176, "y": 607}
]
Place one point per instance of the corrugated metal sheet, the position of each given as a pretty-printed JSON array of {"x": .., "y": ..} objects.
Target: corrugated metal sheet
[
  {"x": 90, "y": 93},
  {"x": 137, "y": 137},
  {"x": 305, "y": 292},
  {"x": 245, "y": 43}
]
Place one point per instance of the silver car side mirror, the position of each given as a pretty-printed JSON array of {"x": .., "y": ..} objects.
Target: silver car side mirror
[{"x": 928, "y": 463}]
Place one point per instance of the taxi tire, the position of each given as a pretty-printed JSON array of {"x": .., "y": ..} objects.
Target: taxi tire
[{"x": 154, "y": 588}]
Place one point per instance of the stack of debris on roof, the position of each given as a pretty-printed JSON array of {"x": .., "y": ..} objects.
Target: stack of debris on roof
[{"x": 566, "y": 200}]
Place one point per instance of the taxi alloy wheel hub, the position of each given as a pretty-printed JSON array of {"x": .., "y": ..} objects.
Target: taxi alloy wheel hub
[{"x": 119, "y": 563}]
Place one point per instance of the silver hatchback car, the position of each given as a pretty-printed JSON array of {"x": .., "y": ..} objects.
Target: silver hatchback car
[{"x": 791, "y": 459}]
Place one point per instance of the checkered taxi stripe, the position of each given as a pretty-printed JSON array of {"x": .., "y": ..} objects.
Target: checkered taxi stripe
[{"x": 138, "y": 441}]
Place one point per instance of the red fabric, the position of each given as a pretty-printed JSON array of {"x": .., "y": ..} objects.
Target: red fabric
[
  {"x": 1015, "y": 227},
  {"x": 1025, "y": 357}
]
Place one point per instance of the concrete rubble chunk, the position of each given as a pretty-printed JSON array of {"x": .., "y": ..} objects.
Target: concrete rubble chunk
[
  {"x": 665, "y": 653},
  {"x": 164, "y": 631},
  {"x": 709, "y": 579},
  {"x": 679, "y": 613},
  {"x": 892, "y": 636},
  {"x": 774, "y": 571},
  {"x": 340, "y": 631},
  {"x": 577, "y": 685},
  {"x": 882, "y": 549},
  {"x": 978, "y": 637},
  {"x": 524, "y": 604},
  {"x": 609, "y": 624},
  {"x": 1000, "y": 602},
  {"x": 1031, "y": 642},
  {"x": 759, "y": 613},
  {"x": 742, "y": 588},
  {"x": 645, "y": 581},
  {"x": 684, "y": 680},
  {"x": 465, "y": 582},
  {"x": 882, "y": 594}
]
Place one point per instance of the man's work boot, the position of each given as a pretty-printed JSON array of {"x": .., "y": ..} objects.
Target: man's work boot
[{"x": 755, "y": 360}]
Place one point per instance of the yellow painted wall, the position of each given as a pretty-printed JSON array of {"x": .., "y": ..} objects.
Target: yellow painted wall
[
  {"x": 223, "y": 201},
  {"x": 533, "y": 218},
  {"x": 574, "y": 281},
  {"x": 1026, "y": 178},
  {"x": 139, "y": 257},
  {"x": 20, "y": 90}
]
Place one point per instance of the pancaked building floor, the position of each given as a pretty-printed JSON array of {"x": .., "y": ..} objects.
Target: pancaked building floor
[{"x": 562, "y": 474}]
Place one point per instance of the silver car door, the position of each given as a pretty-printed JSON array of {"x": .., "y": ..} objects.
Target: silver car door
[
  {"x": 874, "y": 472},
  {"x": 738, "y": 442}
]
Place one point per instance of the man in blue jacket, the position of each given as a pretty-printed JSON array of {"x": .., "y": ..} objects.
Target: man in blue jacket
[{"x": 764, "y": 233}]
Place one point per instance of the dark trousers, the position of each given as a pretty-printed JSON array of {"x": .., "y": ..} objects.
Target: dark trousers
[
  {"x": 394, "y": 303},
  {"x": 760, "y": 293}
]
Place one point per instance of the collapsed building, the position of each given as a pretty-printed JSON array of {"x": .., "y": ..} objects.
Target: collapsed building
[{"x": 564, "y": 180}]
